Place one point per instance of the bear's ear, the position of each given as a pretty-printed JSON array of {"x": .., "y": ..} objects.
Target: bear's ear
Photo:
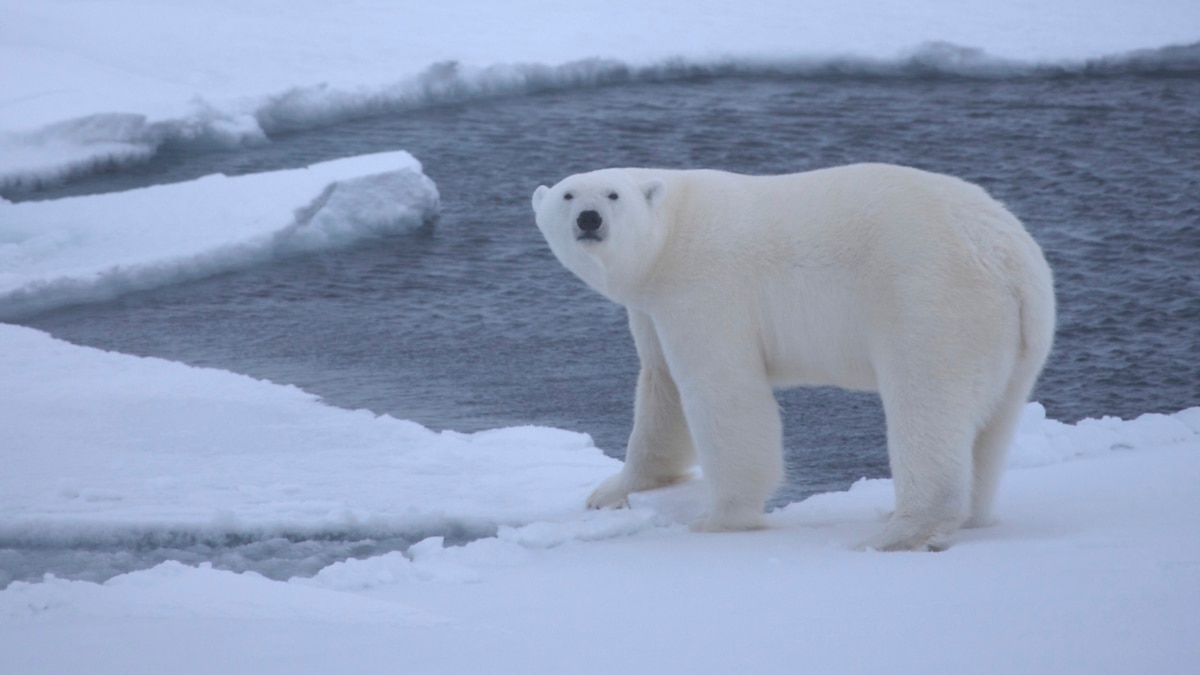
[
  {"x": 654, "y": 191},
  {"x": 538, "y": 195}
]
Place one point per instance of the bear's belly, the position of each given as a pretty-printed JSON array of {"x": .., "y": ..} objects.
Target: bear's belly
[
  {"x": 820, "y": 340},
  {"x": 815, "y": 369}
]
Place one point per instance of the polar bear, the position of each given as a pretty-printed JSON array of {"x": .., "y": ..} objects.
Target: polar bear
[{"x": 869, "y": 277}]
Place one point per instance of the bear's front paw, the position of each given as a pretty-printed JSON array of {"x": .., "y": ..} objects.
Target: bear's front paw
[
  {"x": 613, "y": 493},
  {"x": 732, "y": 519}
]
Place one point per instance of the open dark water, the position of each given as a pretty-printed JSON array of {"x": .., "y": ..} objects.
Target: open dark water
[{"x": 472, "y": 324}]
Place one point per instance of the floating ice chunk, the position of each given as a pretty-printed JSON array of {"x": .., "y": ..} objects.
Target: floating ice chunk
[{"x": 88, "y": 249}]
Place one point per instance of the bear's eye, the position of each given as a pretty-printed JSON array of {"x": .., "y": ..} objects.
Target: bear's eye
[
  {"x": 614, "y": 196},
  {"x": 568, "y": 196}
]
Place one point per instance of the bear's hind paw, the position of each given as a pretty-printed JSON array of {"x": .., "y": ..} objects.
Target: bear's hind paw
[{"x": 905, "y": 536}]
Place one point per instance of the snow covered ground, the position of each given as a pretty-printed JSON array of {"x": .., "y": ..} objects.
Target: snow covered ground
[{"x": 1093, "y": 568}]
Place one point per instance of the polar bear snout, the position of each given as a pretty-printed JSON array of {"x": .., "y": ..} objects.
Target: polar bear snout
[{"x": 588, "y": 223}]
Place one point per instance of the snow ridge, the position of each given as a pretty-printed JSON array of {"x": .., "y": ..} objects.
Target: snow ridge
[{"x": 72, "y": 148}]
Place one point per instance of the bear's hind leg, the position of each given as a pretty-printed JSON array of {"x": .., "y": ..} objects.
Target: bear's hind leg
[
  {"x": 990, "y": 451},
  {"x": 929, "y": 450}
]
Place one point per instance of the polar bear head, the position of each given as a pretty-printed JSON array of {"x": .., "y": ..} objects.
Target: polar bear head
[{"x": 605, "y": 226}]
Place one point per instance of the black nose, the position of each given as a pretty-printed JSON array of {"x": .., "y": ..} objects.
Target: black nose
[{"x": 589, "y": 221}]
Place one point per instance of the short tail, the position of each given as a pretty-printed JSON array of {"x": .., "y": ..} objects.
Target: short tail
[{"x": 1038, "y": 313}]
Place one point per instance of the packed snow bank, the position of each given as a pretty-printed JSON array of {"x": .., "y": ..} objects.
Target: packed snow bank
[
  {"x": 105, "y": 443},
  {"x": 84, "y": 249},
  {"x": 96, "y": 84},
  {"x": 1093, "y": 568}
]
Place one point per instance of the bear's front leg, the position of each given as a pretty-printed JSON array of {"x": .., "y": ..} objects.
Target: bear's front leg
[
  {"x": 734, "y": 420},
  {"x": 660, "y": 450},
  {"x": 739, "y": 440}
]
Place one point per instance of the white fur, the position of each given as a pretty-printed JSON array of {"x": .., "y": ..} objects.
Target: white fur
[{"x": 875, "y": 277}]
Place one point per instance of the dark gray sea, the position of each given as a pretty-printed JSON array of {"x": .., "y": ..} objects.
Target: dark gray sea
[{"x": 470, "y": 323}]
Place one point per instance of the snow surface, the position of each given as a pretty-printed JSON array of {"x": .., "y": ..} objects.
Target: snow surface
[
  {"x": 157, "y": 443},
  {"x": 1094, "y": 566}
]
